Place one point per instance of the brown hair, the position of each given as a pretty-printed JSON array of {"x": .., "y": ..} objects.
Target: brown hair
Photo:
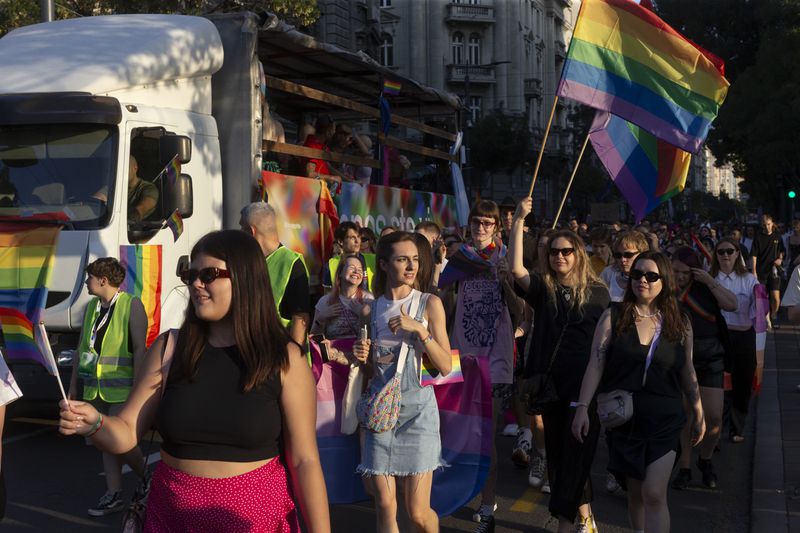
[
  {"x": 486, "y": 208},
  {"x": 632, "y": 239},
  {"x": 738, "y": 266},
  {"x": 384, "y": 253},
  {"x": 260, "y": 337},
  {"x": 687, "y": 256},
  {"x": 337, "y": 279},
  {"x": 424, "y": 279},
  {"x": 582, "y": 273},
  {"x": 109, "y": 268},
  {"x": 674, "y": 324}
]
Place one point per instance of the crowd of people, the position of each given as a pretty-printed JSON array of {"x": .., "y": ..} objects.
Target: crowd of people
[{"x": 610, "y": 336}]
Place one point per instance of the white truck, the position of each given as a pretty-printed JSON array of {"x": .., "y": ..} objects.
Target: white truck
[{"x": 80, "y": 99}]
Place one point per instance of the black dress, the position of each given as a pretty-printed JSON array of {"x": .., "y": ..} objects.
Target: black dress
[{"x": 658, "y": 415}]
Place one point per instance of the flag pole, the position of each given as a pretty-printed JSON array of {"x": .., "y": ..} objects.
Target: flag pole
[
  {"x": 569, "y": 185},
  {"x": 544, "y": 143}
]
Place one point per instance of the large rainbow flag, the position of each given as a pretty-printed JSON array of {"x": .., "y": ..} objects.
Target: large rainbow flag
[
  {"x": 26, "y": 259},
  {"x": 142, "y": 264},
  {"x": 646, "y": 170},
  {"x": 626, "y": 60}
]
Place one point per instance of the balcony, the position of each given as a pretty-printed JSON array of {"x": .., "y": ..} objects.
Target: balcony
[
  {"x": 561, "y": 50},
  {"x": 477, "y": 74},
  {"x": 533, "y": 88},
  {"x": 481, "y": 14}
]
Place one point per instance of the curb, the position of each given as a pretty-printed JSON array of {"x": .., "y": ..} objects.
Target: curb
[{"x": 768, "y": 511}]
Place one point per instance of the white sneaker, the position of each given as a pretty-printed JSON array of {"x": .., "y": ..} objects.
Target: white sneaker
[
  {"x": 538, "y": 471},
  {"x": 483, "y": 511},
  {"x": 611, "y": 483},
  {"x": 511, "y": 430}
]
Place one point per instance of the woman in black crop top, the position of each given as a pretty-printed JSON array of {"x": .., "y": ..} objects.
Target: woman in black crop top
[
  {"x": 642, "y": 451},
  {"x": 237, "y": 409}
]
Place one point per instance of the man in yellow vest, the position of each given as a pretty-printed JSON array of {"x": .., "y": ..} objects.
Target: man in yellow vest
[
  {"x": 288, "y": 274},
  {"x": 348, "y": 237},
  {"x": 110, "y": 352}
]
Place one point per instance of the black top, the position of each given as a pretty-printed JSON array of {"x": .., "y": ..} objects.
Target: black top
[
  {"x": 212, "y": 419},
  {"x": 766, "y": 249},
  {"x": 625, "y": 363},
  {"x": 576, "y": 344},
  {"x": 296, "y": 298},
  {"x": 699, "y": 302},
  {"x": 529, "y": 244}
]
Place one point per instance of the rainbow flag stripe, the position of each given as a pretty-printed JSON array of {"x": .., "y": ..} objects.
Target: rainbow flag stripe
[
  {"x": 26, "y": 255},
  {"x": 391, "y": 87},
  {"x": 429, "y": 374},
  {"x": 143, "y": 279},
  {"x": 18, "y": 336},
  {"x": 173, "y": 169},
  {"x": 625, "y": 60},
  {"x": 175, "y": 224},
  {"x": 646, "y": 170}
]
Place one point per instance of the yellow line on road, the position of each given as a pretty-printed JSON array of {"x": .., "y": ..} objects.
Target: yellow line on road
[{"x": 528, "y": 501}]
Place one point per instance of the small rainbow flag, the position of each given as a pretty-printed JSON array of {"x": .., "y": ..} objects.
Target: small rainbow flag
[
  {"x": 391, "y": 87},
  {"x": 175, "y": 224},
  {"x": 142, "y": 264},
  {"x": 430, "y": 375},
  {"x": 171, "y": 171},
  {"x": 18, "y": 337}
]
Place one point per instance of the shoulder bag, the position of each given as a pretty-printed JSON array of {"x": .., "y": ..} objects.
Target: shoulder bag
[
  {"x": 133, "y": 519},
  {"x": 539, "y": 391}
]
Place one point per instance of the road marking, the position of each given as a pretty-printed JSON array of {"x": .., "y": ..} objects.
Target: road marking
[
  {"x": 152, "y": 458},
  {"x": 61, "y": 516},
  {"x": 17, "y": 438},
  {"x": 528, "y": 501}
]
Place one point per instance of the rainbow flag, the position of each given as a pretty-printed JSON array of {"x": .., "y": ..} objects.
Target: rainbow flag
[
  {"x": 646, "y": 170},
  {"x": 328, "y": 218},
  {"x": 171, "y": 171},
  {"x": 429, "y": 375},
  {"x": 391, "y": 87},
  {"x": 626, "y": 60},
  {"x": 142, "y": 264},
  {"x": 175, "y": 224},
  {"x": 26, "y": 259}
]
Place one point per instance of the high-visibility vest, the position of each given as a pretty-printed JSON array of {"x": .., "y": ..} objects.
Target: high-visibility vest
[
  {"x": 279, "y": 265},
  {"x": 113, "y": 377},
  {"x": 369, "y": 261}
]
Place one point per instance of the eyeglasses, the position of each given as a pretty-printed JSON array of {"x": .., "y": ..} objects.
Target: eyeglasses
[
  {"x": 566, "y": 252},
  {"x": 726, "y": 251},
  {"x": 481, "y": 222},
  {"x": 206, "y": 275},
  {"x": 626, "y": 255},
  {"x": 651, "y": 277}
]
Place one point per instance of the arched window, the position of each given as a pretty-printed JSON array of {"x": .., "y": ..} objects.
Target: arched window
[
  {"x": 474, "y": 49},
  {"x": 457, "y": 46},
  {"x": 387, "y": 50}
]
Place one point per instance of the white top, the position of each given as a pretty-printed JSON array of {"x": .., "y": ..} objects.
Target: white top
[
  {"x": 108, "y": 53},
  {"x": 792, "y": 295},
  {"x": 616, "y": 282},
  {"x": 742, "y": 287},
  {"x": 9, "y": 390}
]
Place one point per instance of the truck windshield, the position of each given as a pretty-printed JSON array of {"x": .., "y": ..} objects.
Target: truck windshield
[{"x": 65, "y": 169}]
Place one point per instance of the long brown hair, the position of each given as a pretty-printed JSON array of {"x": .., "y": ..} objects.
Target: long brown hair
[
  {"x": 673, "y": 322},
  {"x": 384, "y": 253},
  {"x": 424, "y": 279},
  {"x": 738, "y": 265},
  {"x": 337, "y": 279},
  {"x": 582, "y": 274},
  {"x": 260, "y": 337}
]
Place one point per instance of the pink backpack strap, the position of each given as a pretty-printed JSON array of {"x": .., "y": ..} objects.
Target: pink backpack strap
[{"x": 166, "y": 358}]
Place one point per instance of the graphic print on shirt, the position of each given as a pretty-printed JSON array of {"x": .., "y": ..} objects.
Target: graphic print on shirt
[{"x": 482, "y": 307}]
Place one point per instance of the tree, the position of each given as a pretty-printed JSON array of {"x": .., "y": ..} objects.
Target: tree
[
  {"x": 17, "y": 13},
  {"x": 499, "y": 142}
]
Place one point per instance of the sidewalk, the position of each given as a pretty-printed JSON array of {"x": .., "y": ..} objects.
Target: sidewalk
[{"x": 776, "y": 462}]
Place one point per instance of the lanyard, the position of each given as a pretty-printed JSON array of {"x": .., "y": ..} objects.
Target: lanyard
[{"x": 96, "y": 326}]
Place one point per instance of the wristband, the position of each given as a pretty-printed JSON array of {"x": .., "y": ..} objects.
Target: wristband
[
  {"x": 428, "y": 339},
  {"x": 96, "y": 427},
  {"x": 578, "y": 404}
]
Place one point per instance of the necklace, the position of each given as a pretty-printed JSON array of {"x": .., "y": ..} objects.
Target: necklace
[{"x": 641, "y": 315}]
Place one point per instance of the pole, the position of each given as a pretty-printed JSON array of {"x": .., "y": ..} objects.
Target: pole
[
  {"x": 46, "y": 10},
  {"x": 569, "y": 185},
  {"x": 544, "y": 143}
]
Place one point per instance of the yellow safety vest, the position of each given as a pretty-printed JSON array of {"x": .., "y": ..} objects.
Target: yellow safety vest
[{"x": 279, "y": 265}]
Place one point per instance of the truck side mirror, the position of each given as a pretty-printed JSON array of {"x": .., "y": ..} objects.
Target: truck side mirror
[
  {"x": 178, "y": 196},
  {"x": 169, "y": 145}
]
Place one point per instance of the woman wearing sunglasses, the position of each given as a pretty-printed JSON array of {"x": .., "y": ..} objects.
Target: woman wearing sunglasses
[
  {"x": 626, "y": 248},
  {"x": 567, "y": 299},
  {"x": 236, "y": 410},
  {"x": 703, "y": 298},
  {"x": 727, "y": 267},
  {"x": 644, "y": 347}
]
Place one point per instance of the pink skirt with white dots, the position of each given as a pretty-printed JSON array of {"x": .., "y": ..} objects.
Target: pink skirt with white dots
[{"x": 258, "y": 501}]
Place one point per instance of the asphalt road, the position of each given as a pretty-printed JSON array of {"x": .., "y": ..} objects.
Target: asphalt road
[{"x": 52, "y": 480}]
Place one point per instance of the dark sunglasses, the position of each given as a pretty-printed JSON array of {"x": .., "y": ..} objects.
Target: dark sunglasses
[
  {"x": 651, "y": 277},
  {"x": 726, "y": 251},
  {"x": 626, "y": 255},
  {"x": 206, "y": 275},
  {"x": 566, "y": 252}
]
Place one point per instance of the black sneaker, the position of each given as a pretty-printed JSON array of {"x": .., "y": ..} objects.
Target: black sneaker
[
  {"x": 706, "y": 467},
  {"x": 109, "y": 503},
  {"x": 682, "y": 480},
  {"x": 486, "y": 525}
]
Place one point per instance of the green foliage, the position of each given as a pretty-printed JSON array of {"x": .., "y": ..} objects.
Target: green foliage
[
  {"x": 499, "y": 142},
  {"x": 17, "y": 13}
]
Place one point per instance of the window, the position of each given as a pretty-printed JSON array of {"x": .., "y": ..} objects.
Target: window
[
  {"x": 387, "y": 50},
  {"x": 475, "y": 108},
  {"x": 458, "y": 48},
  {"x": 386, "y": 3},
  {"x": 474, "y": 49}
]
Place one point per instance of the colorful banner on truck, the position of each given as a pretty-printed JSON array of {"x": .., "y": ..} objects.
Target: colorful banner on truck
[{"x": 143, "y": 279}]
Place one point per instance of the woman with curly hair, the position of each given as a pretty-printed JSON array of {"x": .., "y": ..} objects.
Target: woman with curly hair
[{"x": 568, "y": 299}]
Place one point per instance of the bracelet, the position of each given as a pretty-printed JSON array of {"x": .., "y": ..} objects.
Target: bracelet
[
  {"x": 96, "y": 427},
  {"x": 578, "y": 404},
  {"x": 428, "y": 339}
]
